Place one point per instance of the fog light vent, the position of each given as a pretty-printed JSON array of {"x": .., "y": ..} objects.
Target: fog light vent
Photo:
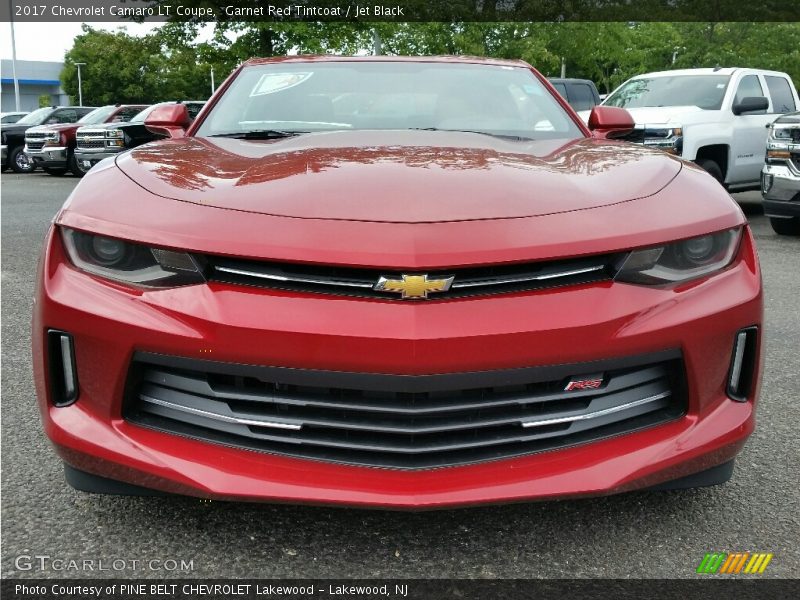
[
  {"x": 63, "y": 373},
  {"x": 743, "y": 362}
]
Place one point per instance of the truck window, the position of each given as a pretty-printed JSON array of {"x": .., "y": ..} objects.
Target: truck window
[
  {"x": 68, "y": 115},
  {"x": 581, "y": 96},
  {"x": 781, "y": 92},
  {"x": 749, "y": 87},
  {"x": 561, "y": 89}
]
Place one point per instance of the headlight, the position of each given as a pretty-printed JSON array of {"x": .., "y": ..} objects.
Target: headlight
[
  {"x": 114, "y": 134},
  {"x": 669, "y": 139},
  {"x": 130, "y": 263},
  {"x": 680, "y": 261},
  {"x": 781, "y": 132}
]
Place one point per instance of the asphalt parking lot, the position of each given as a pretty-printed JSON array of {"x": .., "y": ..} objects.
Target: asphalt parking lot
[{"x": 648, "y": 534}]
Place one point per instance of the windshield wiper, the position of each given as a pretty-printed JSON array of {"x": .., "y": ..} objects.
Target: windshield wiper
[
  {"x": 504, "y": 136},
  {"x": 259, "y": 134}
]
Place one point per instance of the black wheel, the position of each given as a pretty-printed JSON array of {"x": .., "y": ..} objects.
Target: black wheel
[
  {"x": 52, "y": 171},
  {"x": 19, "y": 161},
  {"x": 712, "y": 168},
  {"x": 75, "y": 167},
  {"x": 786, "y": 226}
]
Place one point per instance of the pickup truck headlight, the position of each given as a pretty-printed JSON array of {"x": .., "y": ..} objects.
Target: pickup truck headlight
[
  {"x": 781, "y": 133},
  {"x": 115, "y": 134},
  {"x": 669, "y": 139},
  {"x": 680, "y": 261},
  {"x": 130, "y": 263}
]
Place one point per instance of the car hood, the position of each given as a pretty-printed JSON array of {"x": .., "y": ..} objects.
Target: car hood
[
  {"x": 655, "y": 115},
  {"x": 398, "y": 176},
  {"x": 789, "y": 118},
  {"x": 60, "y": 127},
  {"x": 14, "y": 128},
  {"x": 105, "y": 126}
]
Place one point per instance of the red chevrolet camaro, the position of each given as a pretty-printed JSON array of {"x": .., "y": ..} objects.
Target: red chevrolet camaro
[{"x": 396, "y": 282}]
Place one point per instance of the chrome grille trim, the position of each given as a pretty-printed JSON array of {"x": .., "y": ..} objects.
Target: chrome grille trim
[
  {"x": 597, "y": 413},
  {"x": 296, "y": 278},
  {"x": 219, "y": 417}
]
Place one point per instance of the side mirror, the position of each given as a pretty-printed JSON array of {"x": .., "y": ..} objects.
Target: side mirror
[
  {"x": 750, "y": 104},
  {"x": 170, "y": 120},
  {"x": 608, "y": 122}
]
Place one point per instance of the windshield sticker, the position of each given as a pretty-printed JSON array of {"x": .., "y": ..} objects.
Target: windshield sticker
[{"x": 277, "y": 82}]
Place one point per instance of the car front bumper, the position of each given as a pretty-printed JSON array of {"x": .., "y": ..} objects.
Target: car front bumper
[
  {"x": 48, "y": 156},
  {"x": 82, "y": 156},
  {"x": 780, "y": 187},
  {"x": 241, "y": 325}
]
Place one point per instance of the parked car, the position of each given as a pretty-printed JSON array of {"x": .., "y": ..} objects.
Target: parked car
[
  {"x": 8, "y": 118},
  {"x": 52, "y": 147},
  {"x": 443, "y": 291},
  {"x": 13, "y": 136},
  {"x": 580, "y": 93},
  {"x": 780, "y": 177},
  {"x": 96, "y": 142},
  {"x": 714, "y": 117}
]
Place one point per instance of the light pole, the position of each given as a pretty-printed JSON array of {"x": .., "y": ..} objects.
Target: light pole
[
  {"x": 80, "y": 88},
  {"x": 213, "y": 88},
  {"x": 14, "y": 58}
]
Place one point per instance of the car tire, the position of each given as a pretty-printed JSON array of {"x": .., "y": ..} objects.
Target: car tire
[
  {"x": 712, "y": 168},
  {"x": 786, "y": 226},
  {"x": 52, "y": 171},
  {"x": 74, "y": 167},
  {"x": 19, "y": 161}
]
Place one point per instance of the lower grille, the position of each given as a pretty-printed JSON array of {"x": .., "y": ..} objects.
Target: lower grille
[
  {"x": 37, "y": 145},
  {"x": 403, "y": 421},
  {"x": 90, "y": 144}
]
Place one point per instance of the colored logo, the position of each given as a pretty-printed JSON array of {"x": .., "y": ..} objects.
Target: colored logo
[
  {"x": 734, "y": 563},
  {"x": 414, "y": 287}
]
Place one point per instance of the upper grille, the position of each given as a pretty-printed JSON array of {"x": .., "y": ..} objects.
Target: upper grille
[
  {"x": 361, "y": 282},
  {"x": 36, "y": 135},
  {"x": 402, "y": 421}
]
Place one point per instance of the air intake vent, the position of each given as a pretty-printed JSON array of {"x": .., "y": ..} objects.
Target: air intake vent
[{"x": 404, "y": 421}]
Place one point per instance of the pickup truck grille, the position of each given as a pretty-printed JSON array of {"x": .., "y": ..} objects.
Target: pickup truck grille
[
  {"x": 34, "y": 144},
  {"x": 90, "y": 144},
  {"x": 90, "y": 139},
  {"x": 403, "y": 421},
  {"x": 362, "y": 282}
]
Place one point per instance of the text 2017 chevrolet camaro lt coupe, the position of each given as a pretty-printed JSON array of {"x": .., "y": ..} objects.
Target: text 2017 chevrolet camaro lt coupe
[{"x": 396, "y": 282}]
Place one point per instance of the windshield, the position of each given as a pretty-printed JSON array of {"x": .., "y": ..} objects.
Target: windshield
[
  {"x": 98, "y": 115},
  {"x": 703, "y": 91},
  {"x": 142, "y": 115},
  {"x": 309, "y": 97},
  {"x": 37, "y": 117}
]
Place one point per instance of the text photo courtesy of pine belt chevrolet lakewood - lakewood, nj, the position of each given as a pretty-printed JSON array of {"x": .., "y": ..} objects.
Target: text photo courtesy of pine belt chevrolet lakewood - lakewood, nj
[{"x": 308, "y": 307}]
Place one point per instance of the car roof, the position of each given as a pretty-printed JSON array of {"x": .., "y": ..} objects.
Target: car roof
[
  {"x": 416, "y": 59},
  {"x": 707, "y": 71}
]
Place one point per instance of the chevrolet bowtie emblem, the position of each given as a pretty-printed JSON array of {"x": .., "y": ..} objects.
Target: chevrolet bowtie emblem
[{"x": 414, "y": 287}]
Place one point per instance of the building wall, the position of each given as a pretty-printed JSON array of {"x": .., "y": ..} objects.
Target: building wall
[{"x": 35, "y": 79}]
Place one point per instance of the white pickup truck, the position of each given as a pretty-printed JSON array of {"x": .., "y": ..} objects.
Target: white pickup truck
[{"x": 717, "y": 118}]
